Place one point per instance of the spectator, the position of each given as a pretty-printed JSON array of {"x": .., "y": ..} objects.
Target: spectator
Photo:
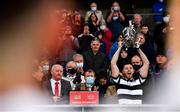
[
  {"x": 137, "y": 19},
  {"x": 77, "y": 24},
  {"x": 123, "y": 58},
  {"x": 159, "y": 9},
  {"x": 100, "y": 36},
  {"x": 93, "y": 23},
  {"x": 72, "y": 75},
  {"x": 160, "y": 67},
  {"x": 102, "y": 85},
  {"x": 85, "y": 39},
  {"x": 94, "y": 59},
  {"x": 45, "y": 60},
  {"x": 98, "y": 13},
  {"x": 146, "y": 46},
  {"x": 64, "y": 17},
  {"x": 89, "y": 83},
  {"x": 114, "y": 47},
  {"x": 38, "y": 76},
  {"x": 136, "y": 62},
  {"x": 124, "y": 79},
  {"x": 57, "y": 89},
  {"x": 79, "y": 60},
  {"x": 114, "y": 20},
  {"x": 160, "y": 32},
  {"x": 147, "y": 33},
  {"x": 107, "y": 37},
  {"x": 160, "y": 74},
  {"x": 68, "y": 45}
]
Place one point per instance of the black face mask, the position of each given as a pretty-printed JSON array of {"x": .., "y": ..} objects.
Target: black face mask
[
  {"x": 72, "y": 71},
  {"x": 136, "y": 67}
]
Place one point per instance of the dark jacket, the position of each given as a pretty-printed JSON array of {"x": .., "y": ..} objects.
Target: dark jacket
[
  {"x": 96, "y": 62},
  {"x": 65, "y": 89},
  {"x": 85, "y": 42}
]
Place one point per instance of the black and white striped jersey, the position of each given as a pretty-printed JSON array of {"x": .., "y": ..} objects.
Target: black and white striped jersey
[{"x": 129, "y": 91}]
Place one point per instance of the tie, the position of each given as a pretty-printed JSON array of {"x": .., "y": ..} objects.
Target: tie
[{"x": 56, "y": 88}]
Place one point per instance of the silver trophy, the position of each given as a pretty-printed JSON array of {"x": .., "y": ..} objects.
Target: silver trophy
[{"x": 129, "y": 36}]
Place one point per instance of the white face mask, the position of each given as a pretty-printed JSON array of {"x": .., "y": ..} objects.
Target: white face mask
[
  {"x": 103, "y": 27},
  {"x": 93, "y": 8},
  {"x": 166, "y": 19},
  {"x": 161, "y": 0},
  {"x": 115, "y": 17},
  {"x": 45, "y": 67},
  {"x": 79, "y": 65}
]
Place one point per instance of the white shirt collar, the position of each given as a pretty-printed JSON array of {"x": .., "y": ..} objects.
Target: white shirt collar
[{"x": 53, "y": 85}]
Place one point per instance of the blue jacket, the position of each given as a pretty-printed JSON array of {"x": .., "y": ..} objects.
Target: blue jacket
[
  {"x": 158, "y": 7},
  {"x": 114, "y": 48}
]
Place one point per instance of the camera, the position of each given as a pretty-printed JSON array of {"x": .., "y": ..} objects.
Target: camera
[{"x": 115, "y": 9}]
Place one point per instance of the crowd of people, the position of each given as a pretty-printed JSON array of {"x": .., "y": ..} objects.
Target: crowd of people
[{"x": 90, "y": 56}]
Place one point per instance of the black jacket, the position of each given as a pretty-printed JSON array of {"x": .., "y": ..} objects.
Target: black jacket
[
  {"x": 96, "y": 62},
  {"x": 65, "y": 89}
]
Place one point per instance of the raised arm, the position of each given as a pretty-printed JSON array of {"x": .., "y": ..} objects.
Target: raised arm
[
  {"x": 114, "y": 67},
  {"x": 109, "y": 18},
  {"x": 144, "y": 69},
  {"x": 121, "y": 16}
]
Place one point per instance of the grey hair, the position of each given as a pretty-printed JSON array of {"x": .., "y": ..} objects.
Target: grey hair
[
  {"x": 137, "y": 15},
  {"x": 77, "y": 55},
  {"x": 56, "y": 65}
]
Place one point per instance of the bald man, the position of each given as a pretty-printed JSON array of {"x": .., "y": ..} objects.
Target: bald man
[{"x": 57, "y": 89}]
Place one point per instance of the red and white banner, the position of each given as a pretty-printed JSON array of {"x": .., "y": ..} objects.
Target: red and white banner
[{"x": 84, "y": 97}]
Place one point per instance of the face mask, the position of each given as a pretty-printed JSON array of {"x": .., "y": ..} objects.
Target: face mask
[
  {"x": 90, "y": 80},
  {"x": 102, "y": 27},
  {"x": 136, "y": 67},
  {"x": 45, "y": 67},
  {"x": 93, "y": 9},
  {"x": 72, "y": 71},
  {"x": 166, "y": 19},
  {"x": 79, "y": 65},
  {"x": 115, "y": 18}
]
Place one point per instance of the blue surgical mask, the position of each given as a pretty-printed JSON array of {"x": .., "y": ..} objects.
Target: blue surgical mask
[
  {"x": 115, "y": 18},
  {"x": 79, "y": 65},
  {"x": 90, "y": 80}
]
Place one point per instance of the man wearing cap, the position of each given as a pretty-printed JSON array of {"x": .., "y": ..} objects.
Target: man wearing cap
[
  {"x": 160, "y": 67},
  {"x": 161, "y": 79}
]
